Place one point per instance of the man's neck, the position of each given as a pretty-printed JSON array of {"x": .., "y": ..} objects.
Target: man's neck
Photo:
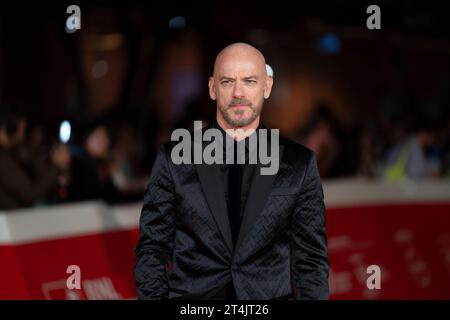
[{"x": 238, "y": 133}]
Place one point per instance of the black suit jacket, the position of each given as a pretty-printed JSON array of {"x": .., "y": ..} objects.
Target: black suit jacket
[{"x": 185, "y": 248}]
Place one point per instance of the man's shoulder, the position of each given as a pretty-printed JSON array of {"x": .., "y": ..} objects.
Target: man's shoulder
[
  {"x": 183, "y": 136},
  {"x": 295, "y": 151},
  {"x": 190, "y": 133},
  {"x": 290, "y": 147}
]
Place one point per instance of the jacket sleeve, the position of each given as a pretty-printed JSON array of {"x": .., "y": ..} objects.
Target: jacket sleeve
[
  {"x": 309, "y": 247},
  {"x": 157, "y": 225}
]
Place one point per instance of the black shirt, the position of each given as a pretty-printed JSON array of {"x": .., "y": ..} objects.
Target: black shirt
[
  {"x": 245, "y": 171},
  {"x": 247, "y": 168}
]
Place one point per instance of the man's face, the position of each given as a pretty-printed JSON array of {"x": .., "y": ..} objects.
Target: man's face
[{"x": 239, "y": 86}]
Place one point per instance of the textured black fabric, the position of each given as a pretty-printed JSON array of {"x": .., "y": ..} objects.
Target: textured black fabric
[
  {"x": 186, "y": 250},
  {"x": 236, "y": 179},
  {"x": 234, "y": 194}
]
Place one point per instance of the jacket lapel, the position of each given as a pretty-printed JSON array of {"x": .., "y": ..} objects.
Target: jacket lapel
[
  {"x": 257, "y": 199},
  {"x": 213, "y": 189}
]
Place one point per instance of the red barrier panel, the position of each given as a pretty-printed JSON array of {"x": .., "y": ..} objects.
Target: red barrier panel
[
  {"x": 106, "y": 263},
  {"x": 39, "y": 244},
  {"x": 410, "y": 242}
]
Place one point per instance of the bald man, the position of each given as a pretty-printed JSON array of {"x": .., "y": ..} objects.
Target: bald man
[{"x": 226, "y": 230}]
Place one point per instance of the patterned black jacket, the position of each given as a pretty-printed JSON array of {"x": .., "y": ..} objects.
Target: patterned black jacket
[{"x": 186, "y": 249}]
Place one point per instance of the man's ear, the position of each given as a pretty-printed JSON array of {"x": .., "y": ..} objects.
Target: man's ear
[
  {"x": 268, "y": 87},
  {"x": 212, "y": 93}
]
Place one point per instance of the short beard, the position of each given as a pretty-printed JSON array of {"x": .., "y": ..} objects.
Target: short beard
[{"x": 242, "y": 122}]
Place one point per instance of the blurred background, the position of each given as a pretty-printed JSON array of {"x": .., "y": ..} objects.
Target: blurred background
[{"x": 83, "y": 113}]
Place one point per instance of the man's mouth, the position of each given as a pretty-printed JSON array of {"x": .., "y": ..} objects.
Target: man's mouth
[{"x": 239, "y": 105}]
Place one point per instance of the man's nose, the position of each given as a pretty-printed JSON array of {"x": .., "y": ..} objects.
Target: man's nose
[{"x": 238, "y": 90}]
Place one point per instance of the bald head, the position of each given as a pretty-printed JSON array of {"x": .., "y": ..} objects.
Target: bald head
[
  {"x": 237, "y": 52},
  {"x": 239, "y": 85}
]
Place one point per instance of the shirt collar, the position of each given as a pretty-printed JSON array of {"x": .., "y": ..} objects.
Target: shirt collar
[{"x": 215, "y": 125}]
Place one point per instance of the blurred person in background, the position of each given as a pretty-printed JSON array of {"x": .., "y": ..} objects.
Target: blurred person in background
[
  {"x": 88, "y": 177},
  {"x": 104, "y": 165},
  {"x": 371, "y": 150},
  {"x": 415, "y": 154},
  {"x": 125, "y": 165},
  {"x": 18, "y": 187},
  {"x": 321, "y": 136}
]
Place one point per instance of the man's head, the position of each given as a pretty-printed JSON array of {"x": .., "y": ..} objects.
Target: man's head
[
  {"x": 239, "y": 85},
  {"x": 98, "y": 143}
]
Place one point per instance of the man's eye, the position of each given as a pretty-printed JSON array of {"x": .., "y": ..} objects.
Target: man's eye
[
  {"x": 250, "y": 81},
  {"x": 226, "y": 82}
]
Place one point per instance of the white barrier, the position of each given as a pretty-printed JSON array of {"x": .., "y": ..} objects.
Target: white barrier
[{"x": 50, "y": 222}]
